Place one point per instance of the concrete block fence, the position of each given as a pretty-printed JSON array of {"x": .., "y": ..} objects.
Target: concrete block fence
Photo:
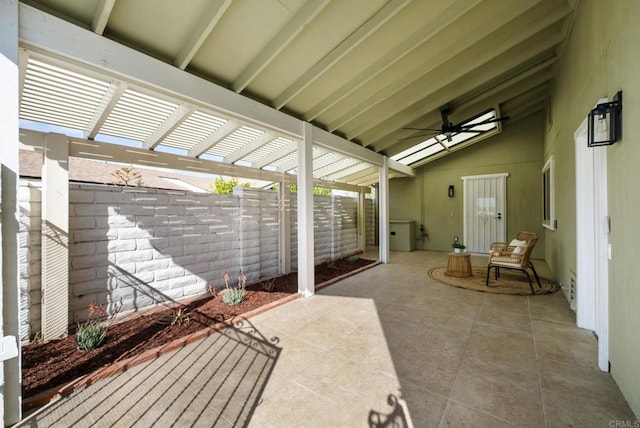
[{"x": 137, "y": 248}]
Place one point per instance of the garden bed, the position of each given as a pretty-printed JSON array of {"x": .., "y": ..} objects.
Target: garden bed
[{"x": 56, "y": 363}]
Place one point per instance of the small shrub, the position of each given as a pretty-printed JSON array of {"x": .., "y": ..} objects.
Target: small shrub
[
  {"x": 177, "y": 317},
  {"x": 234, "y": 296},
  {"x": 353, "y": 259},
  {"x": 269, "y": 284},
  {"x": 91, "y": 334}
]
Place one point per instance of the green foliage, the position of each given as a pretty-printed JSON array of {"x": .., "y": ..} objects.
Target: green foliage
[
  {"x": 233, "y": 296},
  {"x": 323, "y": 191},
  {"x": 268, "y": 284},
  {"x": 458, "y": 245},
  {"x": 222, "y": 186},
  {"x": 91, "y": 334},
  {"x": 177, "y": 317},
  {"x": 127, "y": 176},
  {"x": 353, "y": 259}
]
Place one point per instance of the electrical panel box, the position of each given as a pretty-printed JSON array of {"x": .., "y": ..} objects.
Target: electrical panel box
[{"x": 402, "y": 235}]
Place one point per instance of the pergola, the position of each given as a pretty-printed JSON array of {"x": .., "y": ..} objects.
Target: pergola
[{"x": 338, "y": 116}]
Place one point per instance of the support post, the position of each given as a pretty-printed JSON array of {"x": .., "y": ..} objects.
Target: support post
[
  {"x": 362, "y": 223},
  {"x": 306, "y": 284},
  {"x": 384, "y": 211},
  {"x": 284, "y": 212},
  {"x": 55, "y": 238},
  {"x": 10, "y": 364}
]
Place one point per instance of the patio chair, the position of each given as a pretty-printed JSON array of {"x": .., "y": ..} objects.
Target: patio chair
[{"x": 514, "y": 255}]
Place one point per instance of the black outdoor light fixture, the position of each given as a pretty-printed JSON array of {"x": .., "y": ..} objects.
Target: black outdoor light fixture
[
  {"x": 605, "y": 123},
  {"x": 451, "y": 191}
]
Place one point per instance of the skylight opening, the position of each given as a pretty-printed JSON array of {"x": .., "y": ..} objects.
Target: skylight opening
[{"x": 440, "y": 142}]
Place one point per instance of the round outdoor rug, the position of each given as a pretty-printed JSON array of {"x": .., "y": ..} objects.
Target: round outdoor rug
[{"x": 510, "y": 282}]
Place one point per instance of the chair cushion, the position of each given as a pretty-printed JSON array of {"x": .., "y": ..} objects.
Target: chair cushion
[
  {"x": 517, "y": 243},
  {"x": 505, "y": 261}
]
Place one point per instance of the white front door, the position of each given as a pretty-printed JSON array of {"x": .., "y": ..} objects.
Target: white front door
[{"x": 485, "y": 211}]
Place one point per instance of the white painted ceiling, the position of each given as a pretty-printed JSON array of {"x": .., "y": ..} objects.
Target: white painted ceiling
[{"x": 362, "y": 69}]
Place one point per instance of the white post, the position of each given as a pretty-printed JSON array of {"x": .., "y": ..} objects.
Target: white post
[
  {"x": 55, "y": 237},
  {"x": 306, "y": 285},
  {"x": 284, "y": 212},
  {"x": 384, "y": 211},
  {"x": 362, "y": 224},
  {"x": 10, "y": 368}
]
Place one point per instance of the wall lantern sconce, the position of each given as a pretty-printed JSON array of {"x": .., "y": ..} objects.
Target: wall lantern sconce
[
  {"x": 605, "y": 123},
  {"x": 451, "y": 192}
]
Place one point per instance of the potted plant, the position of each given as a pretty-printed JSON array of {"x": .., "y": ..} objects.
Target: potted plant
[{"x": 458, "y": 247}]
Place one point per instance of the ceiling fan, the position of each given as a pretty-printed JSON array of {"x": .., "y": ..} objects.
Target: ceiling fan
[{"x": 449, "y": 129}]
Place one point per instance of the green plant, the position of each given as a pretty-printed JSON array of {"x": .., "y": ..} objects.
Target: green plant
[
  {"x": 331, "y": 264},
  {"x": 234, "y": 295},
  {"x": 222, "y": 186},
  {"x": 353, "y": 259},
  {"x": 268, "y": 284},
  {"x": 176, "y": 317},
  {"x": 458, "y": 245},
  {"x": 92, "y": 333}
]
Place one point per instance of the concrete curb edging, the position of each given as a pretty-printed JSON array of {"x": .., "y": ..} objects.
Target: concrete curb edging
[{"x": 55, "y": 393}]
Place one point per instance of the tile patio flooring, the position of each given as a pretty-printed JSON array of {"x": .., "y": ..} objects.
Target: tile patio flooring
[{"x": 387, "y": 345}]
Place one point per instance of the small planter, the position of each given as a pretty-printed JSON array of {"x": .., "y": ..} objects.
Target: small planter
[{"x": 457, "y": 250}]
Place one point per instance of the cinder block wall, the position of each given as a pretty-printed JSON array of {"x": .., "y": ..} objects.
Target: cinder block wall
[
  {"x": 136, "y": 248},
  {"x": 335, "y": 228}
]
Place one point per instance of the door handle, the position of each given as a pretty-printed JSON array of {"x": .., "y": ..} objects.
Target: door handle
[{"x": 499, "y": 216}]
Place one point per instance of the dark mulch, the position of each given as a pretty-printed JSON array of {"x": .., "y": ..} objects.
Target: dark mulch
[{"x": 59, "y": 362}]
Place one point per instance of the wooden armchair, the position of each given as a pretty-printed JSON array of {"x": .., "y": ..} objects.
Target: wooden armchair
[{"x": 515, "y": 255}]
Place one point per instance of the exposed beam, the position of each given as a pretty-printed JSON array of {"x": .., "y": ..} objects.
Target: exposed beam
[
  {"x": 217, "y": 8},
  {"x": 394, "y": 55},
  {"x": 173, "y": 121},
  {"x": 47, "y": 34},
  {"x": 473, "y": 50},
  {"x": 339, "y": 165},
  {"x": 318, "y": 152},
  {"x": 339, "y": 175},
  {"x": 346, "y": 46},
  {"x": 306, "y": 14},
  {"x": 250, "y": 147},
  {"x": 107, "y": 105},
  {"x": 335, "y": 143},
  {"x": 532, "y": 73},
  {"x": 103, "y": 12},
  {"x": 88, "y": 149},
  {"x": 455, "y": 88},
  {"x": 360, "y": 175},
  {"x": 291, "y": 147},
  {"x": 229, "y": 127},
  {"x": 471, "y": 107}
]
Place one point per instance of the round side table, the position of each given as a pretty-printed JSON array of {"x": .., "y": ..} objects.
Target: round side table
[{"x": 459, "y": 265}]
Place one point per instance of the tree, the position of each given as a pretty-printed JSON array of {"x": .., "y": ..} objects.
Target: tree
[
  {"x": 127, "y": 176},
  {"x": 316, "y": 190},
  {"x": 225, "y": 187}
]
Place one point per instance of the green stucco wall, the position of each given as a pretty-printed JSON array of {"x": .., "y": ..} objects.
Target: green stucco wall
[
  {"x": 516, "y": 151},
  {"x": 601, "y": 57}
]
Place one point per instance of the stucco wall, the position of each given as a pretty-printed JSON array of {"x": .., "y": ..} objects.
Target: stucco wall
[
  {"x": 599, "y": 59},
  {"x": 516, "y": 151}
]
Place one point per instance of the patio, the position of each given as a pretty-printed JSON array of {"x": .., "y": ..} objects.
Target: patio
[{"x": 387, "y": 345}]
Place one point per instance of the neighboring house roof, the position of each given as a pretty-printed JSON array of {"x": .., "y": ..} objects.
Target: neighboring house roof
[{"x": 101, "y": 172}]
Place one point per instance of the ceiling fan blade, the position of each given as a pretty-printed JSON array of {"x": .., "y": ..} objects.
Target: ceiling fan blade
[{"x": 422, "y": 129}]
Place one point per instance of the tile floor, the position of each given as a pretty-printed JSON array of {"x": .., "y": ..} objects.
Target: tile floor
[{"x": 386, "y": 346}]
